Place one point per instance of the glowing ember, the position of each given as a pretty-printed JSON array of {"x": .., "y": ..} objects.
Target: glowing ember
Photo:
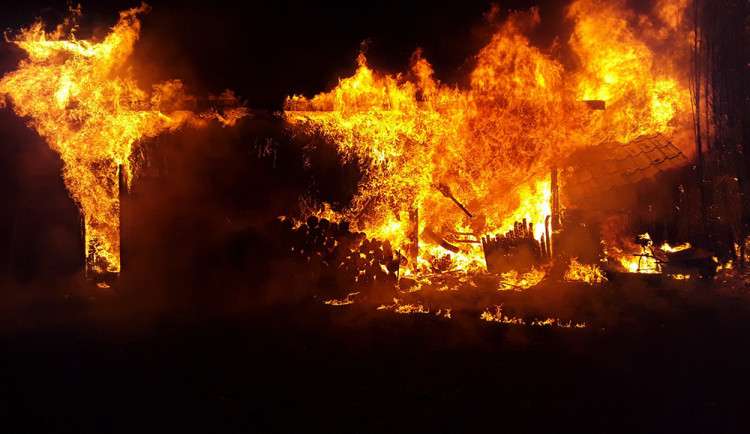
[
  {"x": 557, "y": 323},
  {"x": 349, "y": 299},
  {"x": 679, "y": 276},
  {"x": 587, "y": 273},
  {"x": 405, "y": 308},
  {"x": 498, "y": 316},
  {"x": 82, "y": 98},
  {"x": 446, "y": 314},
  {"x": 440, "y": 161}
]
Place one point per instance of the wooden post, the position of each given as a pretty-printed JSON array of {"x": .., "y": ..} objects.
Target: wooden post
[
  {"x": 555, "y": 222},
  {"x": 555, "y": 205},
  {"x": 88, "y": 248},
  {"x": 123, "y": 191},
  {"x": 547, "y": 231},
  {"x": 412, "y": 250}
]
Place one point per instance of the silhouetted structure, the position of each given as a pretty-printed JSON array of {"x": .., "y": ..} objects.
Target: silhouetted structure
[{"x": 335, "y": 258}]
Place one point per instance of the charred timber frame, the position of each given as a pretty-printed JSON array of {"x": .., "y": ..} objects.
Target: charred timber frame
[
  {"x": 517, "y": 249},
  {"x": 89, "y": 246},
  {"x": 555, "y": 207}
]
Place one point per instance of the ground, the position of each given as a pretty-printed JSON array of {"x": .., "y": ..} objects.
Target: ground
[{"x": 651, "y": 358}]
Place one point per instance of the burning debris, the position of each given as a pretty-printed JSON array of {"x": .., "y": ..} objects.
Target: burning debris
[
  {"x": 512, "y": 180},
  {"x": 398, "y": 307},
  {"x": 587, "y": 273},
  {"x": 538, "y": 169},
  {"x": 499, "y": 316},
  {"x": 349, "y": 299}
]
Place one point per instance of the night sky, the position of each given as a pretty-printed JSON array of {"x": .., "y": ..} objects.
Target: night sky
[{"x": 265, "y": 51}]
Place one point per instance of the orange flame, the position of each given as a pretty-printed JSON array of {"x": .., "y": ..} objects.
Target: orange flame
[
  {"x": 81, "y": 97},
  {"x": 514, "y": 281},
  {"x": 491, "y": 144},
  {"x": 578, "y": 272},
  {"x": 349, "y": 299},
  {"x": 407, "y": 308}
]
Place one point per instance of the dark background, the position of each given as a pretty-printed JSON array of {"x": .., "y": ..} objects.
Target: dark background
[{"x": 268, "y": 50}]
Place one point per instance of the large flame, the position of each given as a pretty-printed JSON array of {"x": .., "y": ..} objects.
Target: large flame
[
  {"x": 492, "y": 144},
  {"x": 83, "y": 99}
]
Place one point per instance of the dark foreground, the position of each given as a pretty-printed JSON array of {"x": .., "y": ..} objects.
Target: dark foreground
[{"x": 650, "y": 359}]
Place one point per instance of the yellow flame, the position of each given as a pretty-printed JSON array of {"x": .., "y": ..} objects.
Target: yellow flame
[
  {"x": 667, "y": 248},
  {"x": 587, "y": 273},
  {"x": 514, "y": 281},
  {"x": 349, "y": 299},
  {"x": 83, "y": 99},
  {"x": 679, "y": 276},
  {"x": 498, "y": 316},
  {"x": 492, "y": 143},
  {"x": 404, "y": 308}
]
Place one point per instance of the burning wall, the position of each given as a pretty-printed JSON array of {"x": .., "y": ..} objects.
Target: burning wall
[
  {"x": 490, "y": 146},
  {"x": 81, "y": 96}
]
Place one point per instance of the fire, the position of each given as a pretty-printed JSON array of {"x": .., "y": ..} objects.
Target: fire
[
  {"x": 557, "y": 323},
  {"x": 349, "y": 299},
  {"x": 667, "y": 248},
  {"x": 439, "y": 160},
  {"x": 679, "y": 276},
  {"x": 82, "y": 98},
  {"x": 578, "y": 272},
  {"x": 619, "y": 67},
  {"x": 498, "y": 316},
  {"x": 635, "y": 257},
  {"x": 407, "y": 308},
  {"x": 641, "y": 256},
  {"x": 514, "y": 281}
]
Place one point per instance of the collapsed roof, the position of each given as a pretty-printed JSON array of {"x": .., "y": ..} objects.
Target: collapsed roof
[{"x": 607, "y": 176}]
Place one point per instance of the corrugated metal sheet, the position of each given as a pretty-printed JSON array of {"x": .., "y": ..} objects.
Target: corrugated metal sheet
[{"x": 598, "y": 170}]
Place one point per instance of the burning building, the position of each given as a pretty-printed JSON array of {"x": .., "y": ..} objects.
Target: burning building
[
  {"x": 445, "y": 167},
  {"x": 468, "y": 277}
]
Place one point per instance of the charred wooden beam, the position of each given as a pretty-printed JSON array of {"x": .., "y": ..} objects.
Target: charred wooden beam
[
  {"x": 470, "y": 238},
  {"x": 596, "y": 104},
  {"x": 437, "y": 239},
  {"x": 555, "y": 205},
  {"x": 547, "y": 230},
  {"x": 556, "y": 218},
  {"x": 446, "y": 191},
  {"x": 412, "y": 248}
]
